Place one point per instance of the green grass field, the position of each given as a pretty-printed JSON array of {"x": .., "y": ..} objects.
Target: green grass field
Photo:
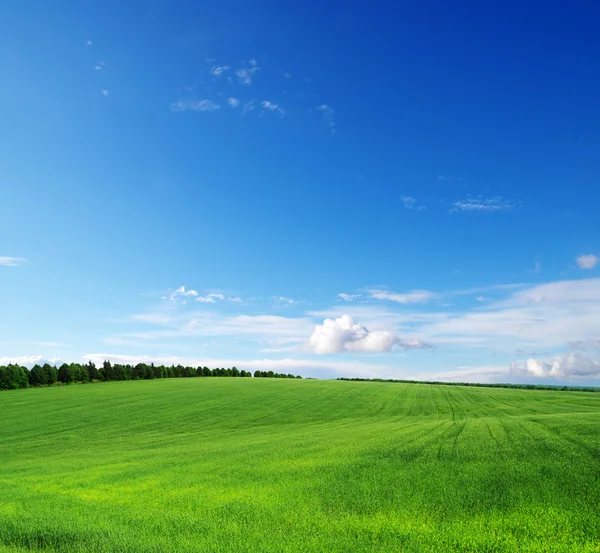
[{"x": 237, "y": 465}]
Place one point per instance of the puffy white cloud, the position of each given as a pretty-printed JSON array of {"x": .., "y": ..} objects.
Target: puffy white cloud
[
  {"x": 181, "y": 294},
  {"x": 195, "y": 105},
  {"x": 6, "y": 261},
  {"x": 233, "y": 102},
  {"x": 415, "y": 296},
  {"x": 587, "y": 261},
  {"x": 343, "y": 334},
  {"x": 562, "y": 366}
]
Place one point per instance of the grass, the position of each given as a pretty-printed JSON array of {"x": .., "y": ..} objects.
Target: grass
[{"x": 240, "y": 465}]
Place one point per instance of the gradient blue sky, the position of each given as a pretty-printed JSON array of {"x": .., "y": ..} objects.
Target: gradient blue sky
[{"x": 332, "y": 189}]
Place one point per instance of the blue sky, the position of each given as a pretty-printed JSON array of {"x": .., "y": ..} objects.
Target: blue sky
[{"x": 333, "y": 190}]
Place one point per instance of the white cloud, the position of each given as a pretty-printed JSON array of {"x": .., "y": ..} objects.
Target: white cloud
[
  {"x": 6, "y": 261},
  {"x": 411, "y": 203},
  {"x": 343, "y": 334},
  {"x": 245, "y": 75},
  {"x": 562, "y": 366},
  {"x": 233, "y": 102},
  {"x": 328, "y": 114},
  {"x": 195, "y": 105},
  {"x": 104, "y": 92},
  {"x": 235, "y": 299},
  {"x": 415, "y": 296},
  {"x": 348, "y": 297},
  {"x": 210, "y": 298},
  {"x": 445, "y": 178},
  {"x": 99, "y": 66},
  {"x": 219, "y": 70},
  {"x": 31, "y": 360},
  {"x": 496, "y": 203},
  {"x": 270, "y": 106},
  {"x": 587, "y": 261},
  {"x": 181, "y": 294},
  {"x": 248, "y": 107},
  {"x": 282, "y": 300}
]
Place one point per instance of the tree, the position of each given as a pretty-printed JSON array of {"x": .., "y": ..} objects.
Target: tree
[
  {"x": 38, "y": 376},
  {"x": 65, "y": 374},
  {"x": 51, "y": 373},
  {"x": 92, "y": 371}
]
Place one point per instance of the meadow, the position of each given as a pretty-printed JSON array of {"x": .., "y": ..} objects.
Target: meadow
[{"x": 269, "y": 465}]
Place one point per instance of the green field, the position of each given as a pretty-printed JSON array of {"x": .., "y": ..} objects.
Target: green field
[{"x": 215, "y": 464}]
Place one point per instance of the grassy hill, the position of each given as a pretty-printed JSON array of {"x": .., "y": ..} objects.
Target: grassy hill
[{"x": 260, "y": 465}]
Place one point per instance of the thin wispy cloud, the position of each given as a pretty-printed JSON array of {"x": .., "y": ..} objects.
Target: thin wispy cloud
[
  {"x": 7, "y": 261},
  {"x": 233, "y": 102},
  {"x": 89, "y": 43},
  {"x": 587, "y": 261},
  {"x": 481, "y": 204},
  {"x": 210, "y": 298},
  {"x": 282, "y": 300},
  {"x": 195, "y": 105},
  {"x": 268, "y": 106},
  {"x": 249, "y": 107},
  {"x": 219, "y": 70},
  {"x": 99, "y": 66},
  {"x": 415, "y": 296},
  {"x": 445, "y": 178},
  {"x": 245, "y": 76},
  {"x": 411, "y": 203},
  {"x": 104, "y": 92},
  {"x": 328, "y": 115},
  {"x": 287, "y": 75},
  {"x": 348, "y": 297}
]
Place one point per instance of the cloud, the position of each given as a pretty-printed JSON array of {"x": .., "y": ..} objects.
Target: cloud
[
  {"x": 496, "y": 203},
  {"x": 270, "y": 106},
  {"x": 348, "y": 297},
  {"x": 287, "y": 75},
  {"x": 194, "y": 105},
  {"x": 537, "y": 268},
  {"x": 233, "y": 102},
  {"x": 182, "y": 294},
  {"x": 210, "y": 298},
  {"x": 415, "y": 296},
  {"x": 30, "y": 360},
  {"x": 587, "y": 261},
  {"x": 245, "y": 76},
  {"x": 99, "y": 66},
  {"x": 328, "y": 114},
  {"x": 6, "y": 261},
  {"x": 104, "y": 92},
  {"x": 585, "y": 344},
  {"x": 219, "y": 70},
  {"x": 445, "y": 178},
  {"x": 562, "y": 366},
  {"x": 343, "y": 334},
  {"x": 411, "y": 203},
  {"x": 89, "y": 43},
  {"x": 282, "y": 300},
  {"x": 248, "y": 107}
]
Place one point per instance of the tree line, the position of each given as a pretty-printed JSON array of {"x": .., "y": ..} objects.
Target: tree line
[
  {"x": 14, "y": 376},
  {"x": 482, "y": 384}
]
